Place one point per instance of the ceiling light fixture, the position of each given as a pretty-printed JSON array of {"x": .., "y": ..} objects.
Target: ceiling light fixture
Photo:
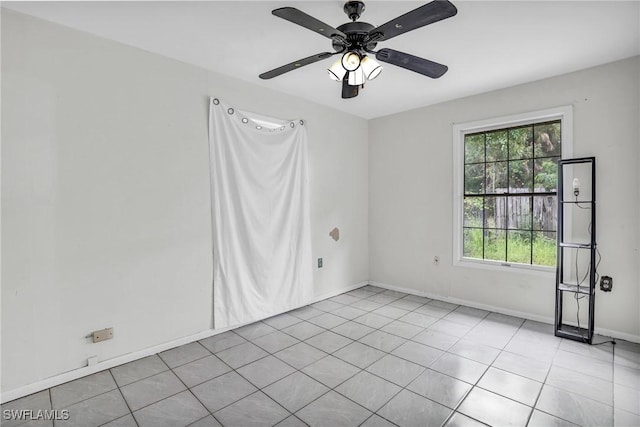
[
  {"x": 356, "y": 39},
  {"x": 337, "y": 71},
  {"x": 356, "y": 77},
  {"x": 370, "y": 67},
  {"x": 351, "y": 61},
  {"x": 360, "y": 68}
]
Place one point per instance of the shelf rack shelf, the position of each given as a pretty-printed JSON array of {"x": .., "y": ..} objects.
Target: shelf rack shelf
[
  {"x": 569, "y": 287},
  {"x": 576, "y": 245},
  {"x": 578, "y": 202},
  {"x": 562, "y": 284}
]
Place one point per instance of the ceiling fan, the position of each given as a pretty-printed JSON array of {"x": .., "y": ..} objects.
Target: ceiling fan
[{"x": 355, "y": 39}]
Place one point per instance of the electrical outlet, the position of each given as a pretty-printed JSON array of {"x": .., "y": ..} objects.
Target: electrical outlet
[
  {"x": 93, "y": 360},
  {"x": 319, "y": 262},
  {"x": 606, "y": 283},
  {"x": 102, "y": 335}
]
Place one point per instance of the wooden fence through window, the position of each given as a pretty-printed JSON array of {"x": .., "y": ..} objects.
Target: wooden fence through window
[{"x": 515, "y": 212}]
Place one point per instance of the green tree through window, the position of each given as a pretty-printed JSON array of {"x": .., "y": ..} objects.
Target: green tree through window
[{"x": 510, "y": 181}]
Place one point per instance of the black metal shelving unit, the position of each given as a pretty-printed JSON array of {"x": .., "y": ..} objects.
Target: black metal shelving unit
[{"x": 563, "y": 283}]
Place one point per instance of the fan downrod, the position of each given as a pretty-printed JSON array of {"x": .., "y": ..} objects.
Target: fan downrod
[{"x": 354, "y": 9}]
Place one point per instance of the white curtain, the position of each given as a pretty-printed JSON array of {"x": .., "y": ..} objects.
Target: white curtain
[{"x": 260, "y": 210}]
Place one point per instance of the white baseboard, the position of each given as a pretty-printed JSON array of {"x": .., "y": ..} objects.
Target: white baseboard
[
  {"x": 530, "y": 316},
  {"x": 101, "y": 366},
  {"x": 19, "y": 392},
  {"x": 617, "y": 334}
]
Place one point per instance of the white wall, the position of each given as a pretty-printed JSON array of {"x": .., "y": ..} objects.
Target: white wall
[
  {"x": 105, "y": 196},
  {"x": 412, "y": 151}
]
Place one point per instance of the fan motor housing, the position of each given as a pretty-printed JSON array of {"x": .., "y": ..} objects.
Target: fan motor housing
[{"x": 356, "y": 33}]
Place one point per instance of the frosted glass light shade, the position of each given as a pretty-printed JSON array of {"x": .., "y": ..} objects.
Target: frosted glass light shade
[
  {"x": 351, "y": 61},
  {"x": 371, "y": 67},
  {"x": 356, "y": 78},
  {"x": 337, "y": 71}
]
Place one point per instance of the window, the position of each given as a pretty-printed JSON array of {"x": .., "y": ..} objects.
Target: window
[{"x": 506, "y": 200}]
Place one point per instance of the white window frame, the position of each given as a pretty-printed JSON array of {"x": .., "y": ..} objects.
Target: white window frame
[{"x": 564, "y": 114}]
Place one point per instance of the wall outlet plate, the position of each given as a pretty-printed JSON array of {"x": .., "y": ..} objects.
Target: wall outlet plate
[
  {"x": 319, "y": 262},
  {"x": 102, "y": 335},
  {"x": 606, "y": 283}
]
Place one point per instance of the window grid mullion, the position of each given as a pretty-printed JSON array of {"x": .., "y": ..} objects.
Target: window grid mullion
[
  {"x": 506, "y": 205},
  {"x": 533, "y": 189},
  {"x": 484, "y": 199},
  {"x": 531, "y": 228}
]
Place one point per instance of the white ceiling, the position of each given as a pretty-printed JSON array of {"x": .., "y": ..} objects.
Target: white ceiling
[{"x": 488, "y": 45}]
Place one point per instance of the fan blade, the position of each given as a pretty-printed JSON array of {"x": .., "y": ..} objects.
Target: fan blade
[
  {"x": 296, "y": 16},
  {"x": 295, "y": 65},
  {"x": 424, "y": 15},
  {"x": 347, "y": 90},
  {"x": 413, "y": 63}
]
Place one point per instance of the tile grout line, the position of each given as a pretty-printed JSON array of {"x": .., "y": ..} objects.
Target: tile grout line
[
  {"x": 125, "y": 402},
  {"x": 258, "y": 389},
  {"x": 235, "y": 370},
  {"x": 462, "y": 399},
  {"x": 613, "y": 381},
  {"x": 83, "y": 400},
  {"x": 187, "y": 387},
  {"x": 50, "y": 403},
  {"x": 142, "y": 379},
  {"x": 503, "y": 349},
  {"x": 535, "y": 403},
  {"x": 186, "y": 363}
]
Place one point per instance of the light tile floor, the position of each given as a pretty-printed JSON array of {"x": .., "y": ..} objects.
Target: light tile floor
[{"x": 369, "y": 357}]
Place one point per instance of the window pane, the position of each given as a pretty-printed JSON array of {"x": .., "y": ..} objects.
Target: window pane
[
  {"x": 509, "y": 203},
  {"x": 474, "y": 148},
  {"x": 472, "y": 244},
  {"x": 496, "y": 145},
  {"x": 494, "y": 245},
  {"x": 520, "y": 143},
  {"x": 544, "y": 248},
  {"x": 519, "y": 247},
  {"x": 546, "y": 174},
  {"x": 545, "y": 213},
  {"x": 474, "y": 179},
  {"x": 519, "y": 213},
  {"x": 473, "y": 211},
  {"x": 494, "y": 212},
  {"x": 547, "y": 139},
  {"x": 520, "y": 176},
  {"x": 496, "y": 178}
]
